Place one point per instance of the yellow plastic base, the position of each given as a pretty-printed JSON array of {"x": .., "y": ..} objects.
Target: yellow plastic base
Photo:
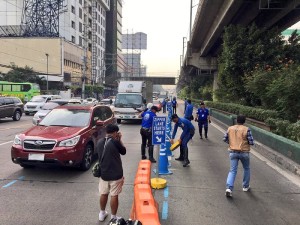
[{"x": 158, "y": 183}]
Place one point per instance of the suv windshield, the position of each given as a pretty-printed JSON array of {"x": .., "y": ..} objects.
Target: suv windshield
[
  {"x": 67, "y": 117},
  {"x": 38, "y": 99}
]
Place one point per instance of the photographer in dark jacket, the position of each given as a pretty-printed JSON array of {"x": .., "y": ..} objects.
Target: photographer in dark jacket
[{"x": 111, "y": 180}]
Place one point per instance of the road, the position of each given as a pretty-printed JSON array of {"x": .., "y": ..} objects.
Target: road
[{"x": 195, "y": 195}]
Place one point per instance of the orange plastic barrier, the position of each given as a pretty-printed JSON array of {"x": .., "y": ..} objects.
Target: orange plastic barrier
[
  {"x": 144, "y": 207},
  {"x": 143, "y": 173}
]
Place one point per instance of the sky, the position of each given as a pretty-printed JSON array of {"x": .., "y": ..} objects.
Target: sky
[{"x": 165, "y": 22}]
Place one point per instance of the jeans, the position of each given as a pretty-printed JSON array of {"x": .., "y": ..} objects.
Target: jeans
[{"x": 234, "y": 159}]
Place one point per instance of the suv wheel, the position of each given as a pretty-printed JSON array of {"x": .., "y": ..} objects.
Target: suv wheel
[
  {"x": 87, "y": 157},
  {"x": 17, "y": 115},
  {"x": 118, "y": 121}
]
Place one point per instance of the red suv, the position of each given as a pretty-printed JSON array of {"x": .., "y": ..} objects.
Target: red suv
[{"x": 67, "y": 136}]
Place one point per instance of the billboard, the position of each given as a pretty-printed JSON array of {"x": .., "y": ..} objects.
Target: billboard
[{"x": 134, "y": 41}]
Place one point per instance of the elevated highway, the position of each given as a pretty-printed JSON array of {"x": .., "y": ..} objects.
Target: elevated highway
[{"x": 214, "y": 15}]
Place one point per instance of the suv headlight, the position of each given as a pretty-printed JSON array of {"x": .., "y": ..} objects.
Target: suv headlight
[
  {"x": 17, "y": 140},
  {"x": 69, "y": 142}
]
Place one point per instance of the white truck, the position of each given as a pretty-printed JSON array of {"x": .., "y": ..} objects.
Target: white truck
[{"x": 130, "y": 100}]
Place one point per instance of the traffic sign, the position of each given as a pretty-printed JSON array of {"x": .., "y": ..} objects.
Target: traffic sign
[{"x": 159, "y": 130}]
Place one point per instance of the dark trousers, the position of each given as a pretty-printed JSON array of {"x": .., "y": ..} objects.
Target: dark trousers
[
  {"x": 202, "y": 124},
  {"x": 146, "y": 137},
  {"x": 174, "y": 109}
]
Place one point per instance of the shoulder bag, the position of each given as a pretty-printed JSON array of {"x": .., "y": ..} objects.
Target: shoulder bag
[{"x": 96, "y": 170}]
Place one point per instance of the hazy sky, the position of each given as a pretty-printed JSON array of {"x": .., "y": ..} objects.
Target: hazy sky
[{"x": 165, "y": 22}]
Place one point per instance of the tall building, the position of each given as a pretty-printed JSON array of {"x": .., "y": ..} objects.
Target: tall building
[
  {"x": 77, "y": 21},
  {"x": 132, "y": 46},
  {"x": 115, "y": 64}
]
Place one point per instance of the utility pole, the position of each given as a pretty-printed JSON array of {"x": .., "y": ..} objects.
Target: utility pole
[
  {"x": 183, "y": 42},
  {"x": 85, "y": 47},
  {"x": 47, "y": 55},
  {"x": 94, "y": 42}
]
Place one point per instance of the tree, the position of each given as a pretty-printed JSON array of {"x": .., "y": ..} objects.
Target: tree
[
  {"x": 20, "y": 74},
  {"x": 245, "y": 49}
]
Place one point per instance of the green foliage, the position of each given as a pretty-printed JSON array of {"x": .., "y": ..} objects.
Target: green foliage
[
  {"x": 257, "y": 68},
  {"x": 19, "y": 74},
  {"x": 285, "y": 128},
  {"x": 90, "y": 90},
  {"x": 278, "y": 90},
  {"x": 250, "y": 112}
]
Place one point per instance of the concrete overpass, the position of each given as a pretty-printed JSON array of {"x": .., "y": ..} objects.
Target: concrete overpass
[
  {"x": 213, "y": 15},
  {"x": 155, "y": 80}
]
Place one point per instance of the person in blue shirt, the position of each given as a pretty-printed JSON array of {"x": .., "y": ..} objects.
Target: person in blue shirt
[
  {"x": 146, "y": 132},
  {"x": 174, "y": 105},
  {"x": 188, "y": 113},
  {"x": 188, "y": 131},
  {"x": 185, "y": 104},
  {"x": 164, "y": 105},
  {"x": 203, "y": 119}
]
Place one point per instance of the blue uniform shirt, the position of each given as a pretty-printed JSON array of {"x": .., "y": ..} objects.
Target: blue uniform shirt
[
  {"x": 186, "y": 126},
  {"x": 188, "y": 111},
  {"x": 202, "y": 114},
  {"x": 174, "y": 103},
  {"x": 147, "y": 118}
]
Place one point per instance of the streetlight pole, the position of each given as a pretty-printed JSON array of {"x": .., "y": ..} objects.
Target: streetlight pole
[
  {"x": 47, "y": 55},
  {"x": 183, "y": 42},
  {"x": 191, "y": 19}
]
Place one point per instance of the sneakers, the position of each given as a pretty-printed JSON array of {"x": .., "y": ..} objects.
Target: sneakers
[
  {"x": 179, "y": 158},
  {"x": 228, "y": 192},
  {"x": 144, "y": 157},
  {"x": 185, "y": 164},
  {"x": 246, "y": 188},
  {"x": 102, "y": 215},
  {"x": 115, "y": 217}
]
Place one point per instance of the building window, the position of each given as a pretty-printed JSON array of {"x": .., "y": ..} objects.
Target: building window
[
  {"x": 80, "y": 2},
  {"x": 73, "y": 24},
  {"x": 80, "y": 27},
  {"x": 73, "y": 9},
  {"x": 80, "y": 41},
  {"x": 73, "y": 39},
  {"x": 80, "y": 13}
]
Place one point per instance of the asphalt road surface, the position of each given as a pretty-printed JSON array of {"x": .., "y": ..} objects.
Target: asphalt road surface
[{"x": 194, "y": 195}]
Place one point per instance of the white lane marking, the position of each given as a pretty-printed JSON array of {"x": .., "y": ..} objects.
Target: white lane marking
[
  {"x": 6, "y": 143},
  {"x": 8, "y": 128},
  {"x": 291, "y": 177}
]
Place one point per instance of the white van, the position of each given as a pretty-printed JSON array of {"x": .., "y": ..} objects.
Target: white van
[{"x": 37, "y": 102}]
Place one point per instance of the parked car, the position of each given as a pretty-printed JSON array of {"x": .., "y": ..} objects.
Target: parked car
[
  {"x": 67, "y": 136},
  {"x": 46, "y": 108},
  {"x": 11, "y": 107},
  {"x": 91, "y": 101},
  {"x": 107, "y": 101},
  {"x": 75, "y": 101},
  {"x": 37, "y": 102}
]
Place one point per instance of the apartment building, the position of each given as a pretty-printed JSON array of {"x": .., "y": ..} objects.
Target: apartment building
[{"x": 79, "y": 20}]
